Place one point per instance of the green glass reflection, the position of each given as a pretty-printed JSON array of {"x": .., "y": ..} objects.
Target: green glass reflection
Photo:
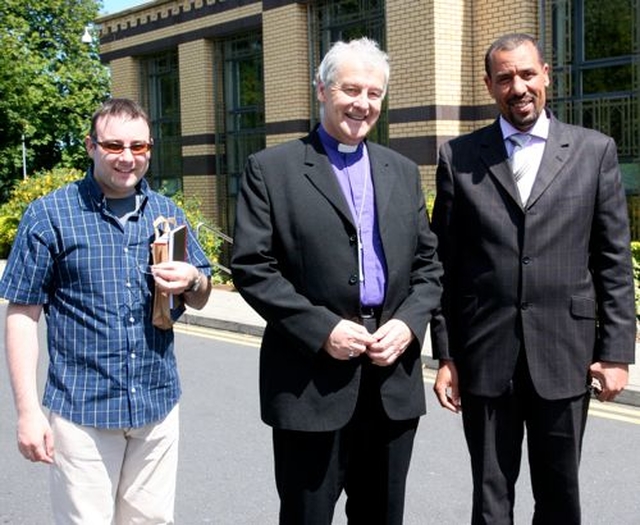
[
  {"x": 607, "y": 79},
  {"x": 608, "y": 28}
]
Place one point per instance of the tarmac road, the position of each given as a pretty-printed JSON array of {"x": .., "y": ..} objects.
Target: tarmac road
[{"x": 225, "y": 474}]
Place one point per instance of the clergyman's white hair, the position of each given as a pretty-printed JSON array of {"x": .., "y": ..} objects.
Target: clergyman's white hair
[{"x": 364, "y": 48}]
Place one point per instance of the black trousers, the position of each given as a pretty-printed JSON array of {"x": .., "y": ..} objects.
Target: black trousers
[
  {"x": 494, "y": 430},
  {"x": 369, "y": 459}
]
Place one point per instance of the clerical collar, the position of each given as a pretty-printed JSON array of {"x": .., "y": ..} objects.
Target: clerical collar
[
  {"x": 347, "y": 148},
  {"x": 330, "y": 142}
]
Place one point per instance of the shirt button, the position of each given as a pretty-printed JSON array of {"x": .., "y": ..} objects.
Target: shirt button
[
  {"x": 132, "y": 320},
  {"x": 128, "y": 284},
  {"x": 133, "y": 389},
  {"x": 133, "y": 355}
]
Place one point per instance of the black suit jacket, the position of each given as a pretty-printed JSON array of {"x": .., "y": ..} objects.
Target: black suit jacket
[
  {"x": 295, "y": 262},
  {"x": 553, "y": 277}
]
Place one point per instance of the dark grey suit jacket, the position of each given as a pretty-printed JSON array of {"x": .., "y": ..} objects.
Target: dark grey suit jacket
[
  {"x": 553, "y": 277},
  {"x": 295, "y": 262}
]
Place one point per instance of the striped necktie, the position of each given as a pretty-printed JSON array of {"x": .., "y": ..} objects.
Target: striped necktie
[{"x": 519, "y": 161}]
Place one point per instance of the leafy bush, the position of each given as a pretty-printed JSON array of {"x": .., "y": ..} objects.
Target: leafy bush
[
  {"x": 211, "y": 244},
  {"x": 22, "y": 194},
  {"x": 430, "y": 198},
  {"x": 38, "y": 185}
]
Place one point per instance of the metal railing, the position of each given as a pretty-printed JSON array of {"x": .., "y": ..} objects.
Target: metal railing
[{"x": 222, "y": 236}]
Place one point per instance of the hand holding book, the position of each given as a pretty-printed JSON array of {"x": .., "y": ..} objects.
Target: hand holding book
[{"x": 170, "y": 244}]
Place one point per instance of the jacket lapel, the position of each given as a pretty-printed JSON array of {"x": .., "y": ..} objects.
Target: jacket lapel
[
  {"x": 494, "y": 155},
  {"x": 556, "y": 153},
  {"x": 318, "y": 170}
]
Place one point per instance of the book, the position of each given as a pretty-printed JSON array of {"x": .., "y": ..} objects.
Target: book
[
  {"x": 171, "y": 246},
  {"x": 178, "y": 244}
]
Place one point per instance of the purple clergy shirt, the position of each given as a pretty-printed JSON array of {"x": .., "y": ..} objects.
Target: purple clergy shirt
[{"x": 353, "y": 170}]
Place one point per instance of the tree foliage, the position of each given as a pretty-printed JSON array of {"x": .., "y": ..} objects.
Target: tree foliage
[{"x": 50, "y": 84}]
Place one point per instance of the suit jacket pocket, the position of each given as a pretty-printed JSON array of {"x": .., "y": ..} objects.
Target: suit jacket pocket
[{"x": 584, "y": 307}]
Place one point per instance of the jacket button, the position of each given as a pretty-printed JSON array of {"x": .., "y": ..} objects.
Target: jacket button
[
  {"x": 353, "y": 239},
  {"x": 526, "y": 260},
  {"x": 525, "y": 306},
  {"x": 353, "y": 279}
]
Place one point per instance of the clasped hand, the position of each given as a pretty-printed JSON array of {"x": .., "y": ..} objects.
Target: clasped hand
[{"x": 349, "y": 340}]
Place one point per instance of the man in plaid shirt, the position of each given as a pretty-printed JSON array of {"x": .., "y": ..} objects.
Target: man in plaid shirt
[{"x": 82, "y": 255}]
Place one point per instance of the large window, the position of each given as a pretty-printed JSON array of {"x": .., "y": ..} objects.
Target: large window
[
  {"x": 346, "y": 20},
  {"x": 595, "y": 55},
  {"x": 161, "y": 97},
  {"x": 240, "y": 122}
]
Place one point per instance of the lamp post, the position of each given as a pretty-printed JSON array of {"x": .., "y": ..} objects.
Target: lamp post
[{"x": 24, "y": 158}]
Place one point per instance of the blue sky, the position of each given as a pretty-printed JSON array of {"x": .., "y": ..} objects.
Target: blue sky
[{"x": 113, "y": 6}]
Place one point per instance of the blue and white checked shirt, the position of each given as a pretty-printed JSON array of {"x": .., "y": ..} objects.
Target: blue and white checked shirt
[{"x": 109, "y": 367}]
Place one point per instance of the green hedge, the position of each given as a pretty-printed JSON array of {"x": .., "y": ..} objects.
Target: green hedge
[
  {"x": 38, "y": 185},
  {"x": 211, "y": 244},
  {"x": 23, "y": 193}
]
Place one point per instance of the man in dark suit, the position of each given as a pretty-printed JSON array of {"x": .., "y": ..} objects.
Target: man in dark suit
[
  {"x": 538, "y": 289},
  {"x": 332, "y": 247}
]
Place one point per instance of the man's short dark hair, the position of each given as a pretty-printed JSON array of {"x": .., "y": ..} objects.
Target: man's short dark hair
[
  {"x": 508, "y": 43},
  {"x": 118, "y": 107}
]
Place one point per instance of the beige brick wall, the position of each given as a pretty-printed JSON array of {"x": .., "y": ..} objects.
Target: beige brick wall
[
  {"x": 452, "y": 63},
  {"x": 428, "y": 67},
  {"x": 125, "y": 77},
  {"x": 287, "y": 75},
  {"x": 410, "y": 39},
  {"x": 196, "y": 87},
  {"x": 197, "y": 114},
  {"x": 273, "y": 140}
]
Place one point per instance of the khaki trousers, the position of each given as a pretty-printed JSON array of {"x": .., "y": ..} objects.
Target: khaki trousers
[{"x": 114, "y": 476}]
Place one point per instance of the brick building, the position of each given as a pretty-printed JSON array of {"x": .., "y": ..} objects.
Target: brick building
[{"x": 223, "y": 78}]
